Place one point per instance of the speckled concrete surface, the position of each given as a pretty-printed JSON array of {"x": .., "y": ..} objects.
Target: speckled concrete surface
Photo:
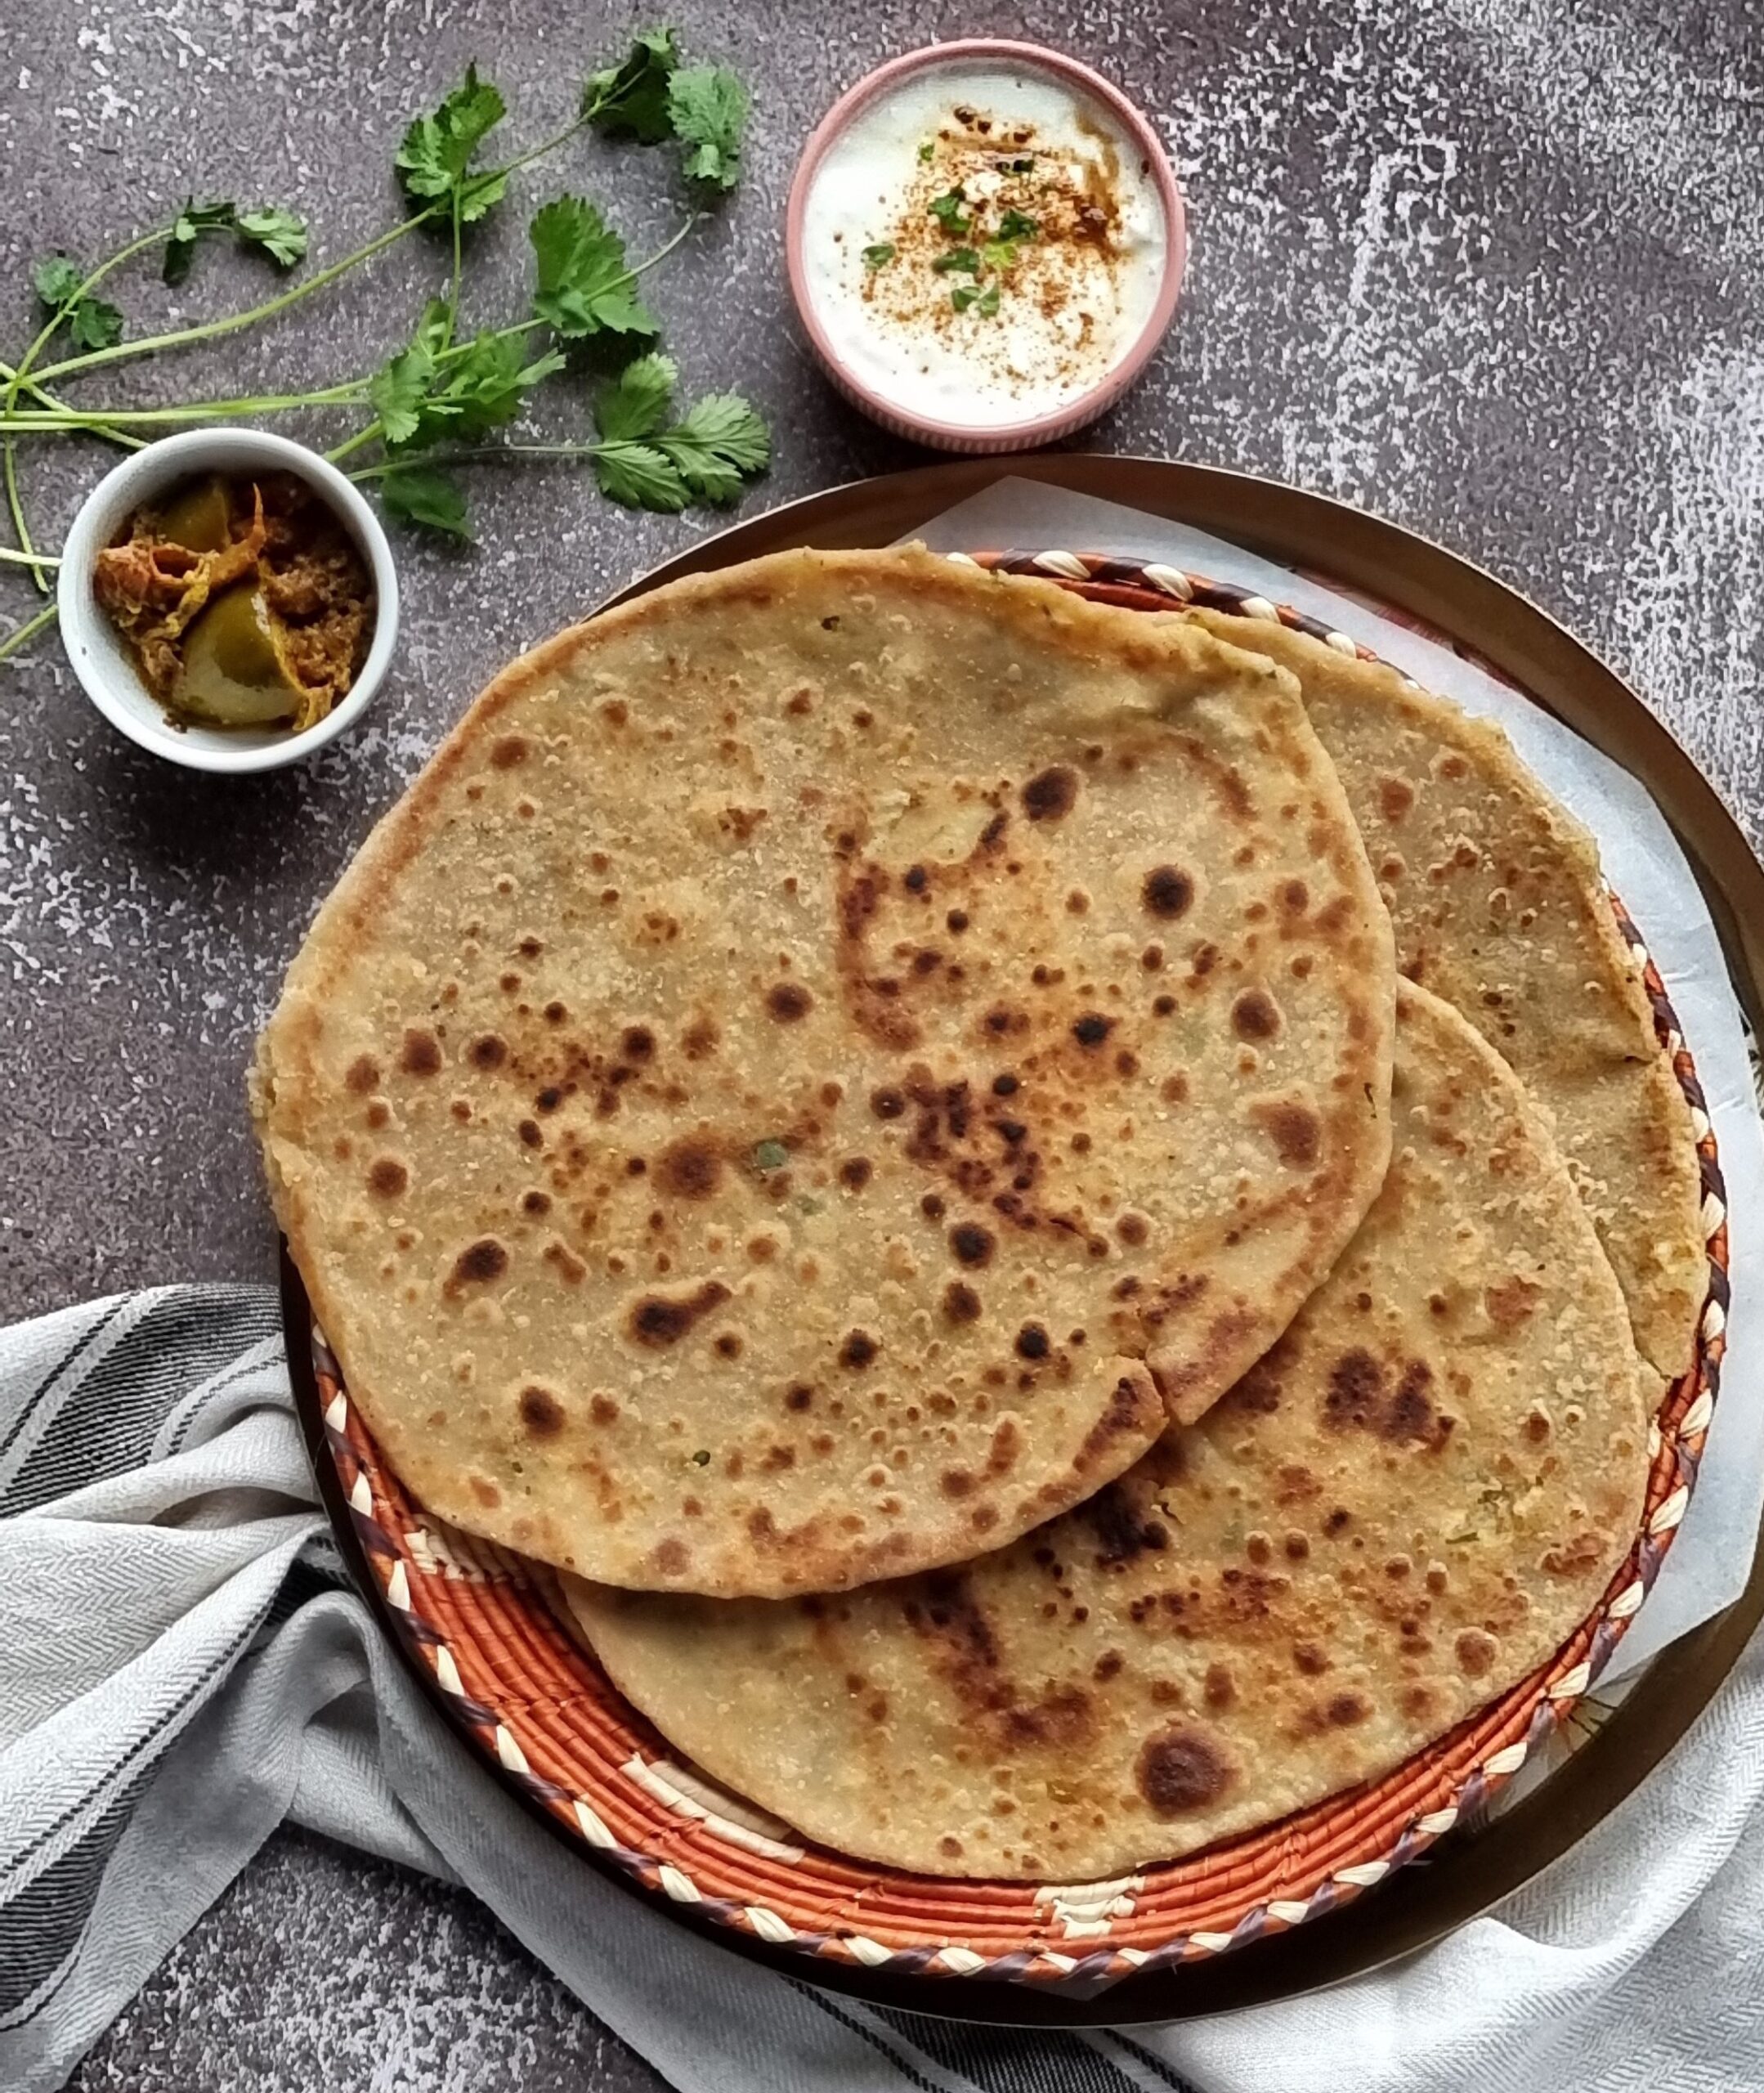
[{"x": 1487, "y": 266}]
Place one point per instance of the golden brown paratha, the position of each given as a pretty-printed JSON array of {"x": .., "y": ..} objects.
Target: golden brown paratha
[
  {"x": 1409, "y": 1504},
  {"x": 1499, "y": 906},
  {"x": 825, "y": 1058}
]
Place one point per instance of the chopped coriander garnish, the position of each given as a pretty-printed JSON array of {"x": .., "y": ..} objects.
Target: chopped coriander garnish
[
  {"x": 1018, "y": 225},
  {"x": 963, "y": 296},
  {"x": 771, "y": 1155},
  {"x": 999, "y": 254},
  {"x": 877, "y": 257},
  {"x": 947, "y": 210},
  {"x": 988, "y": 305},
  {"x": 961, "y": 258},
  {"x": 926, "y": 149},
  {"x": 805, "y": 1204}
]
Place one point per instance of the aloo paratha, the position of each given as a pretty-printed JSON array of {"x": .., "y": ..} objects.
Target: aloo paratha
[
  {"x": 1499, "y": 906},
  {"x": 1406, "y": 1505},
  {"x": 824, "y": 1059}
]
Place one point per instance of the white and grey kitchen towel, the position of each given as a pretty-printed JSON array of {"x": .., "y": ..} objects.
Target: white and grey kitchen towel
[{"x": 183, "y": 1667}]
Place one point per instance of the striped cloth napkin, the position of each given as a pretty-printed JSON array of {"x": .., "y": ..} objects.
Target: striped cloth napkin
[{"x": 183, "y": 1666}]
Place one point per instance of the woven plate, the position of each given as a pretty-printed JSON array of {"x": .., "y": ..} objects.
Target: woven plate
[{"x": 477, "y": 1618}]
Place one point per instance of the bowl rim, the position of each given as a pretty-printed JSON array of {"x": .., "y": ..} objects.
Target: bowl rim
[
  {"x": 221, "y": 448},
  {"x": 1082, "y": 407}
]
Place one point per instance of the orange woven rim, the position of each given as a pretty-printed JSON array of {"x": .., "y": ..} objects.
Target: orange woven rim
[{"x": 533, "y": 1701}]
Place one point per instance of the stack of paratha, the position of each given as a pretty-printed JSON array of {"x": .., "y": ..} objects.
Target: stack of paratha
[{"x": 852, "y": 1108}]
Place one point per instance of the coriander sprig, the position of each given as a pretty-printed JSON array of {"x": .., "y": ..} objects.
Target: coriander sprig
[
  {"x": 427, "y": 402},
  {"x": 643, "y": 457},
  {"x": 649, "y": 461},
  {"x": 651, "y": 96}
]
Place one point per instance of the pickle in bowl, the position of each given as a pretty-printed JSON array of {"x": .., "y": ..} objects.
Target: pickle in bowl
[{"x": 244, "y": 601}]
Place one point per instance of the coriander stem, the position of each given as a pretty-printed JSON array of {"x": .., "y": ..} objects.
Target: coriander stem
[
  {"x": 15, "y": 502},
  {"x": 211, "y": 329},
  {"x": 548, "y": 145},
  {"x": 45, "y": 333},
  {"x": 661, "y": 254},
  {"x": 21, "y": 634},
  {"x": 476, "y": 451},
  {"x": 352, "y": 444},
  {"x": 363, "y": 436},
  {"x": 29, "y": 558},
  {"x": 73, "y": 419},
  {"x": 56, "y": 405},
  {"x": 453, "y": 287}
]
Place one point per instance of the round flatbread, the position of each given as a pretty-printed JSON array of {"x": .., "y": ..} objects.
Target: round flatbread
[
  {"x": 825, "y": 1061},
  {"x": 1403, "y": 1509},
  {"x": 1500, "y": 907}
]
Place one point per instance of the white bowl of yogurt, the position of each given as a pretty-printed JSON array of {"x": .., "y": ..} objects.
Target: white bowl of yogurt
[{"x": 985, "y": 243}]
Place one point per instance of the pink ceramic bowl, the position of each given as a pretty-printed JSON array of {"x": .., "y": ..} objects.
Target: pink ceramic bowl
[{"x": 1083, "y": 407}]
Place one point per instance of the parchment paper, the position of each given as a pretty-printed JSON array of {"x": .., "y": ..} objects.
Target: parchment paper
[{"x": 1707, "y": 1567}]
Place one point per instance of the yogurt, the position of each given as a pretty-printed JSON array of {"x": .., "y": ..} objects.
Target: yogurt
[{"x": 983, "y": 243}]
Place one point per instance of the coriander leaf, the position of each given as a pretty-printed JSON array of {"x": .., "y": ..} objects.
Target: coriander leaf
[
  {"x": 878, "y": 256},
  {"x": 437, "y": 149},
  {"x": 630, "y": 100},
  {"x": 478, "y": 193},
  {"x": 57, "y": 280},
  {"x": 987, "y": 308},
  {"x": 435, "y": 328},
  {"x": 189, "y": 226},
  {"x": 281, "y": 234},
  {"x": 399, "y": 388},
  {"x": 726, "y": 422},
  {"x": 419, "y": 494},
  {"x": 94, "y": 324},
  {"x": 720, "y": 442},
  {"x": 958, "y": 258},
  {"x": 584, "y": 284},
  {"x": 1018, "y": 225},
  {"x": 707, "y": 106},
  {"x": 484, "y": 388},
  {"x": 636, "y": 403},
  {"x": 947, "y": 210},
  {"x": 639, "y": 476}
]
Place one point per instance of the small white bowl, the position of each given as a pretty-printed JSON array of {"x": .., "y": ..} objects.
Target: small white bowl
[{"x": 102, "y": 659}]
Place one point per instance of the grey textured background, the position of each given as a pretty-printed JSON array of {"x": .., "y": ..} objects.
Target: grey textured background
[{"x": 1489, "y": 266}]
